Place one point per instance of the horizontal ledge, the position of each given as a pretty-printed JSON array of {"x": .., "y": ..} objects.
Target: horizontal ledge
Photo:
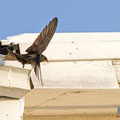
[
  {"x": 81, "y": 59},
  {"x": 79, "y": 88},
  {"x": 76, "y": 107},
  {"x": 84, "y": 59}
]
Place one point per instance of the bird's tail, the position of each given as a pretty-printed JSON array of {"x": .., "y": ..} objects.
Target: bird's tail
[{"x": 37, "y": 69}]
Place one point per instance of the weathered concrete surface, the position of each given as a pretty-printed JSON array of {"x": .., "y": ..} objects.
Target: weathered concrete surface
[
  {"x": 11, "y": 109},
  {"x": 96, "y": 82},
  {"x": 65, "y": 102},
  {"x": 79, "y": 75}
]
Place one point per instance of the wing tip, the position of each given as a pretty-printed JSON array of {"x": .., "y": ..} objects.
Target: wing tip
[
  {"x": 53, "y": 22},
  {"x": 55, "y": 19}
]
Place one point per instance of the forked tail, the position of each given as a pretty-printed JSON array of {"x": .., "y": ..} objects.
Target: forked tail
[{"x": 37, "y": 69}]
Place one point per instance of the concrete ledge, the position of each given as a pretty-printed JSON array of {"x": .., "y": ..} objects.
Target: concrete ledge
[
  {"x": 14, "y": 82},
  {"x": 79, "y": 75},
  {"x": 76, "y": 60}
]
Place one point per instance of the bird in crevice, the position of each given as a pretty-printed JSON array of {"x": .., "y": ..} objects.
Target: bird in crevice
[
  {"x": 34, "y": 52},
  {"x": 11, "y": 46}
]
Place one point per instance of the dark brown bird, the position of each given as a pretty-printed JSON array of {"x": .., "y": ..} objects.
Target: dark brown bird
[
  {"x": 11, "y": 46},
  {"x": 34, "y": 52}
]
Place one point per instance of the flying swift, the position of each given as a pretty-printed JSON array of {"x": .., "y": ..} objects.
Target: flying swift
[{"x": 34, "y": 52}]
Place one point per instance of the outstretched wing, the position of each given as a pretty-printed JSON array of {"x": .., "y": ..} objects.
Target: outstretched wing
[{"x": 43, "y": 39}]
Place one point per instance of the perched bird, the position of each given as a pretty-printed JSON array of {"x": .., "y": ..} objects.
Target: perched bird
[
  {"x": 34, "y": 52},
  {"x": 11, "y": 46}
]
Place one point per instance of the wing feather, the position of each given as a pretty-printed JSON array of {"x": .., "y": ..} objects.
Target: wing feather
[{"x": 43, "y": 39}]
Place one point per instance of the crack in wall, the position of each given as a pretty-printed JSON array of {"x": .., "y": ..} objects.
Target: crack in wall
[{"x": 60, "y": 95}]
